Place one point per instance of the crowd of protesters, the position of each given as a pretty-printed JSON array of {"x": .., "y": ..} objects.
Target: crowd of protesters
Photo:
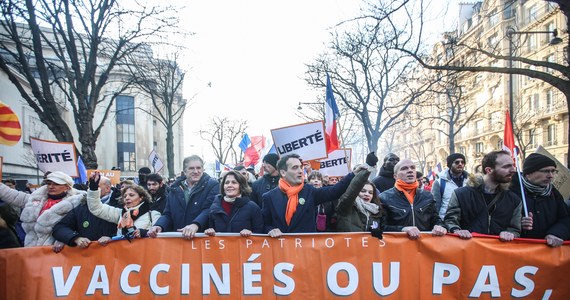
[{"x": 290, "y": 197}]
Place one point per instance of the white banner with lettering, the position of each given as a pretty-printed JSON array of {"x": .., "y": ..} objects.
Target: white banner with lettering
[
  {"x": 55, "y": 156},
  {"x": 307, "y": 140},
  {"x": 337, "y": 164},
  {"x": 155, "y": 161}
]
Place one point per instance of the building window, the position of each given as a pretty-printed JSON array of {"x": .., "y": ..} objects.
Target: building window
[
  {"x": 532, "y": 138},
  {"x": 479, "y": 127},
  {"x": 551, "y": 135},
  {"x": 126, "y": 155},
  {"x": 534, "y": 103},
  {"x": 550, "y": 100},
  {"x": 499, "y": 145},
  {"x": 479, "y": 147},
  {"x": 531, "y": 43},
  {"x": 462, "y": 150},
  {"x": 531, "y": 13},
  {"x": 494, "y": 18},
  {"x": 550, "y": 59}
]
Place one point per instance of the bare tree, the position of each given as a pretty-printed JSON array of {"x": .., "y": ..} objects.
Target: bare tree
[
  {"x": 161, "y": 80},
  {"x": 555, "y": 73},
  {"x": 222, "y": 135},
  {"x": 375, "y": 83},
  {"x": 68, "y": 52}
]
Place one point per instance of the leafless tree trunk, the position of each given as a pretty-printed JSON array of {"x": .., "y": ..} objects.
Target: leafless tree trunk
[{"x": 68, "y": 53}]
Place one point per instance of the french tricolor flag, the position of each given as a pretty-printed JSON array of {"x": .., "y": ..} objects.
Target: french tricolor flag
[{"x": 331, "y": 115}]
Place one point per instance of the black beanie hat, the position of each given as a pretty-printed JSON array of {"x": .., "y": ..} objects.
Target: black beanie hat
[
  {"x": 271, "y": 159},
  {"x": 535, "y": 162},
  {"x": 145, "y": 170},
  {"x": 452, "y": 157}
]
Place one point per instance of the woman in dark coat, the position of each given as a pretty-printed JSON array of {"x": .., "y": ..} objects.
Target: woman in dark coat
[
  {"x": 359, "y": 208},
  {"x": 232, "y": 210}
]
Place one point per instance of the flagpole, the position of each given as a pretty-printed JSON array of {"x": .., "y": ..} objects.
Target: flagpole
[
  {"x": 342, "y": 145},
  {"x": 523, "y": 197}
]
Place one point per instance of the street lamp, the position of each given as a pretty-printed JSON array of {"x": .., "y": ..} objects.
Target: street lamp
[
  {"x": 510, "y": 32},
  {"x": 309, "y": 103}
]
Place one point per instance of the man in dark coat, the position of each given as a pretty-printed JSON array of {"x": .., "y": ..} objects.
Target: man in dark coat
[
  {"x": 385, "y": 179},
  {"x": 188, "y": 201},
  {"x": 291, "y": 207},
  {"x": 79, "y": 227},
  {"x": 486, "y": 205},
  {"x": 547, "y": 213},
  {"x": 409, "y": 208},
  {"x": 157, "y": 190},
  {"x": 268, "y": 181}
]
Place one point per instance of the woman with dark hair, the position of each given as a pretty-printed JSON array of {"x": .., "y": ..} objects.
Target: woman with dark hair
[
  {"x": 232, "y": 210},
  {"x": 134, "y": 219},
  {"x": 359, "y": 208}
]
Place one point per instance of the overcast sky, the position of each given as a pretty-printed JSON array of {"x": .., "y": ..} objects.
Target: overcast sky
[{"x": 247, "y": 60}]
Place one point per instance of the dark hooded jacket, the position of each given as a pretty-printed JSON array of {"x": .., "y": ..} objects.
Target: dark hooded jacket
[{"x": 385, "y": 180}]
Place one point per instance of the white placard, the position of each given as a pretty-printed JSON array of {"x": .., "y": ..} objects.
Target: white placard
[
  {"x": 337, "y": 164},
  {"x": 307, "y": 140},
  {"x": 155, "y": 161},
  {"x": 55, "y": 156}
]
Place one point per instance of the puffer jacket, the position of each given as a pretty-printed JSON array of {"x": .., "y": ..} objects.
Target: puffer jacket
[
  {"x": 113, "y": 214},
  {"x": 468, "y": 210},
  {"x": 400, "y": 213},
  {"x": 349, "y": 219},
  {"x": 39, "y": 228},
  {"x": 442, "y": 199},
  {"x": 245, "y": 214}
]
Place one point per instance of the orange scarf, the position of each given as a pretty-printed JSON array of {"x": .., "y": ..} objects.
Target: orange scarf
[
  {"x": 292, "y": 193},
  {"x": 409, "y": 189}
]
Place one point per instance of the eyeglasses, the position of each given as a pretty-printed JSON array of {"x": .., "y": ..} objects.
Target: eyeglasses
[
  {"x": 554, "y": 172},
  {"x": 457, "y": 162}
]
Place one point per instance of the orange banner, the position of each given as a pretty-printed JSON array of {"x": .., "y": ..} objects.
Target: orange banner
[
  {"x": 312, "y": 266},
  {"x": 113, "y": 175}
]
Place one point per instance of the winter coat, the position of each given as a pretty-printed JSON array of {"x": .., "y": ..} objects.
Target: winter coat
[
  {"x": 442, "y": 199},
  {"x": 159, "y": 200},
  {"x": 400, "y": 213},
  {"x": 385, "y": 180},
  {"x": 275, "y": 206},
  {"x": 245, "y": 214},
  {"x": 549, "y": 213},
  {"x": 39, "y": 228},
  {"x": 468, "y": 210},
  {"x": 113, "y": 214},
  {"x": 262, "y": 186},
  {"x": 349, "y": 218},
  {"x": 178, "y": 214},
  {"x": 80, "y": 222}
]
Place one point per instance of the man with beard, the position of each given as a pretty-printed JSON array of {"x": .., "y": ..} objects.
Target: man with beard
[
  {"x": 449, "y": 180},
  {"x": 143, "y": 174},
  {"x": 385, "y": 179},
  {"x": 408, "y": 208},
  {"x": 268, "y": 181},
  {"x": 157, "y": 191},
  {"x": 547, "y": 213},
  {"x": 486, "y": 205}
]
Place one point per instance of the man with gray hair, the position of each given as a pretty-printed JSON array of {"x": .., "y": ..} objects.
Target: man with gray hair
[
  {"x": 189, "y": 201},
  {"x": 105, "y": 187}
]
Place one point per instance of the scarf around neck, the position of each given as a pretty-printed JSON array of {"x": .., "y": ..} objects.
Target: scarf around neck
[
  {"x": 130, "y": 215},
  {"x": 409, "y": 189},
  {"x": 292, "y": 193},
  {"x": 366, "y": 208},
  {"x": 536, "y": 189}
]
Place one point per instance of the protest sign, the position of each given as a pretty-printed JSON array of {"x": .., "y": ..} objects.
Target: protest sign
[
  {"x": 337, "y": 164},
  {"x": 155, "y": 161},
  {"x": 307, "y": 140},
  {"x": 302, "y": 266},
  {"x": 55, "y": 156},
  {"x": 114, "y": 175}
]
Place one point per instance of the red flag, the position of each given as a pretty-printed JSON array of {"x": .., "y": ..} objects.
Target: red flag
[
  {"x": 331, "y": 115},
  {"x": 508, "y": 136}
]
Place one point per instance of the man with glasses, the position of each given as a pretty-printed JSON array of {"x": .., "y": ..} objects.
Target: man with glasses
[
  {"x": 449, "y": 179},
  {"x": 547, "y": 213},
  {"x": 385, "y": 179}
]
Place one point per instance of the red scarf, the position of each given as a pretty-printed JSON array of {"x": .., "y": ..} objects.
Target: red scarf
[
  {"x": 292, "y": 193},
  {"x": 49, "y": 203},
  {"x": 409, "y": 189}
]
